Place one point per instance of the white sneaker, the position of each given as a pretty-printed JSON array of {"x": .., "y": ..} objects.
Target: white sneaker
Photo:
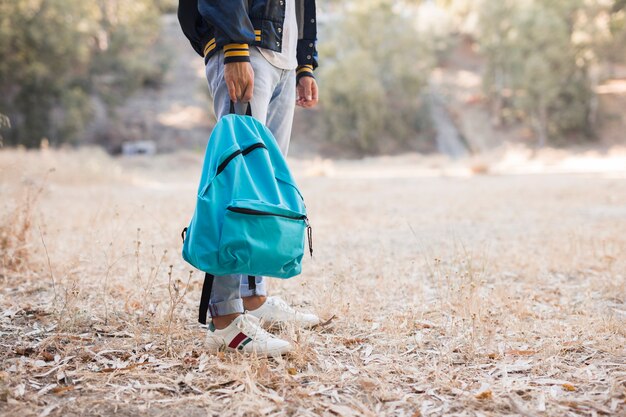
[
  {"x": 275, "y": 311},
  {"x": 245, "y": 334}
]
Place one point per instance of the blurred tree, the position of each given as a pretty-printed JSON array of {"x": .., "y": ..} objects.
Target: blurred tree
[
  {"x": 167, "y": 6},
  {"x": 374, "y": 67},
  {"x": 614, "y": 48},
  {"x": 56, "y": 55},
  {"x": 540, "y": 55},
  {"x": 6, "y": 123}
]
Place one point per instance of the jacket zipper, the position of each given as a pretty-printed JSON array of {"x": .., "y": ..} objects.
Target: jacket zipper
[{"x": 309, "y": 229}]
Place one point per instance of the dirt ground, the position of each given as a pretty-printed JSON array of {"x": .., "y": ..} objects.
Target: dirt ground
[{"x": 483, "y": 287}]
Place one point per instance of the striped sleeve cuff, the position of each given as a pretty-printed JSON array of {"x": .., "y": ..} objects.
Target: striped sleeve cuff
[
  {"x": 304, "y": 71},
  {"x": 236, "y": 52},
  {"x": 209, "y": 47}
]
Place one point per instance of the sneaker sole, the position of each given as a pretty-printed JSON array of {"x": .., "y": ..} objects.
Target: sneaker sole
[{"x": 269, "y": 353}]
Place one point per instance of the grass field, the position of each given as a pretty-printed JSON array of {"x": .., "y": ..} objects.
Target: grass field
[{"x": 477, "y": 288}]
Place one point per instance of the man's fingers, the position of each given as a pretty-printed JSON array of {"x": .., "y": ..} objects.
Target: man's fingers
[
  {"x": 232, "y": 91},
  {"x": 238, "y": 91},
  {"x": 307, "y": 91},
  {"x": 314, "y": 91},
  {"x": 298, "y": 92},
  {"x": 248, "y": 91},
  {"x": 239, "y": 78},
  {"x": 305, "y": 103}
]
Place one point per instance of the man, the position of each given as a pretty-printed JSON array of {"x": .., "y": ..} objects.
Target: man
[{"x": 260, "y": 52}]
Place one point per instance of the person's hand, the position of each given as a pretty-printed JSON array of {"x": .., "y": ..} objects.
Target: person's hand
[
  {"x": 239, "y": 78},
  {"x": 307, "y": 92}
]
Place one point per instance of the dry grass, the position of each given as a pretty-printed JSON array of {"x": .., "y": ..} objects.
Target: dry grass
[{"x": 453, "y": 294}]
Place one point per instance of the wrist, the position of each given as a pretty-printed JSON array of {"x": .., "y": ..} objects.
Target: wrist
[
  {"x": 304, "y": 71},
  {"x": 236, "y": 52}
]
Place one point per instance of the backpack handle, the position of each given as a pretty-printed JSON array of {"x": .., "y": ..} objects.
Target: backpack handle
[{"x": 232, "y": 109}]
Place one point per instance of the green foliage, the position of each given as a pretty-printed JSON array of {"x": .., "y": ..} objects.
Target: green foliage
[
  {"x": 167, "y": 6},
  {"x": 373, "y": 69},
  {"x": 5, "y": 122},
  {"x": 539, "y": 58},
  {"x": 56, "y": 55},
  {"x": 614, "y": 48}
]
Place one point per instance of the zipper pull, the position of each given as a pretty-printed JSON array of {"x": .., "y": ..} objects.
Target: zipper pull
[{"x": 309, "y": 234}]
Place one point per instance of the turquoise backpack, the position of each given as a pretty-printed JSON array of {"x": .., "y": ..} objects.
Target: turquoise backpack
[{"x": 250, "y": 216}]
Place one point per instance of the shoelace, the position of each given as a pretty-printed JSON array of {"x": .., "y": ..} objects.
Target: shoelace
[
  {"x": 250, "y": 325},
  {"x": 279, "y": 302}
]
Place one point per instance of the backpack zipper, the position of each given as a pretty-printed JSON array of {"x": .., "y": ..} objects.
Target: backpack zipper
[
  {"x": 253, "y": 147},
  {"x": 309, "y": 229},
  {"x": 235, "y": 154}
]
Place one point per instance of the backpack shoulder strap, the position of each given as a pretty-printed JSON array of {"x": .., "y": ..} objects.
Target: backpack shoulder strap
[
  {"x": 205, "y": 298},
  {"x": 252, "y": 283}
]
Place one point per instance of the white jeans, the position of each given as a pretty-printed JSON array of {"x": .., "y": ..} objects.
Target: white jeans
[{"x": 273, "y": 103}]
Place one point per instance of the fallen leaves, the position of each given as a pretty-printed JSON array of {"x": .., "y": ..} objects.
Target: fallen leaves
[
  {"x": 516, "y": 352},
  {"x": 24, "y": 350},
  {"x": 124, "y": 368},
  {"x": 513, "y": 352},
  {"x": 325, "y": 323},
  {"x": 353, "y": 341},
  {"x": 569, "y": 387},
  {"x": 484, "y": 395},
  {"x": 47, "y": 356},
  {"x": 411, "y": 343},
  {"x": 62, "y": 389},
  {"x": 423, "y": 325}
]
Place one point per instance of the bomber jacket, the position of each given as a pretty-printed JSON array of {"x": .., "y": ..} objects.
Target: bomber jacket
[{"x": 234, "y": 25}]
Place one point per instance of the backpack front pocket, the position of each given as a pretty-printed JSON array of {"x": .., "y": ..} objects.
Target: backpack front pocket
[{"x": 262, "y": 239}]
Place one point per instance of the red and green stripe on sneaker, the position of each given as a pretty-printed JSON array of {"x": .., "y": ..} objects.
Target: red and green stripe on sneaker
[
  {"x": 246, "y": 335},
  {"x": 239, "y": 341}
]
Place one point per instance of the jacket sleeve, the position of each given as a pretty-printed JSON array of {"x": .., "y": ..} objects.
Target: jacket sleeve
[
  {"x": 233, "y": 28},
  {"x": 305, "y": 70},
  {"x": 307, "y": 39},
  {"x": 192, "y": 24}
]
